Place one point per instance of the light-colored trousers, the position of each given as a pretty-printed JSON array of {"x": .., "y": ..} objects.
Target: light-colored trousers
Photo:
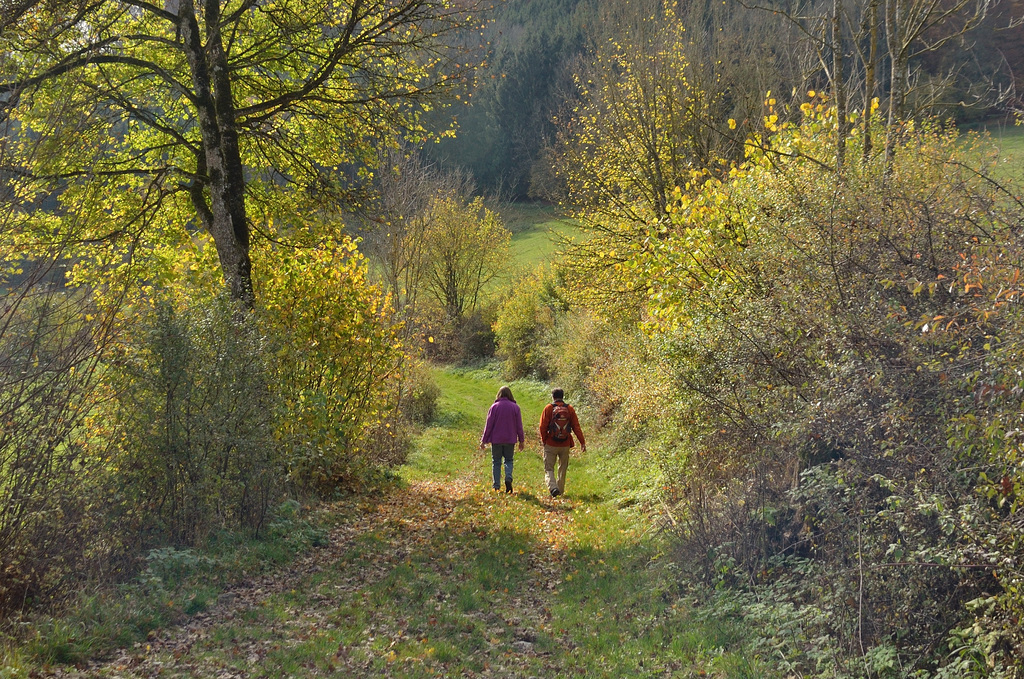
[{"x": 551, "y": 455}]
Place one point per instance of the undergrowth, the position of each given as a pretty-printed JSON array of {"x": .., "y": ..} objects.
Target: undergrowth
[{"x": 173, "y": 584}]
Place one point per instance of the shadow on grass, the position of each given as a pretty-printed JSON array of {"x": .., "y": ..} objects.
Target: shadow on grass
[
  {"x": 489, "y": 590},
  {"x": 450, "y": 419},
  {"x": 588, "y": 498},
  {"x": 563, "y": 505}
]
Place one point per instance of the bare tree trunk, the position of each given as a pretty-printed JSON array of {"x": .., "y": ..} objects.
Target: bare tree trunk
[
  {"x": 839, "y": 84},
  {"x": 898, "y": 82},
  {"x": 869, "y": 75}
]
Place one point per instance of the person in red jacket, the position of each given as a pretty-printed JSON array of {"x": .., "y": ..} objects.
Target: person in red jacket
[
  {"x": 503, "y": 429},
  {"x": 558, "y": 423}
]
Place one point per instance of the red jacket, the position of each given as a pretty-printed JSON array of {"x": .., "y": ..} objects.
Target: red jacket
[{"x": 545, "y": 420}]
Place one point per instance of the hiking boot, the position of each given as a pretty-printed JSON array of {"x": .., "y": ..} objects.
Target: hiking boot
[
  {"x": 508, "y": 486},
  {"x": 497, "y": 487}
]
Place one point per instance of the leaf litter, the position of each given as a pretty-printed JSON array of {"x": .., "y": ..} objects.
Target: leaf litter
[{"x": 333, "y": 594}]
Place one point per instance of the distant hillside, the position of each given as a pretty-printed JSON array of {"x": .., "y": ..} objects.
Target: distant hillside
[
  {"x": 535, "y": 46},
  {"x": 531, "y": 44}
]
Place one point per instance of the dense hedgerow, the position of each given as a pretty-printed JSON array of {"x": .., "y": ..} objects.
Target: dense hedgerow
[
  {"x": 52, "y": 342},
  {"x": 337, "y": 360},
  {"x": 190, "y": 432},
  {"x": 831, "y": 336}
]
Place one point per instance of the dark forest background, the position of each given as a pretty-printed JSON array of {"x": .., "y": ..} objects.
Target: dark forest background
[{"x": 507, "y": 126}]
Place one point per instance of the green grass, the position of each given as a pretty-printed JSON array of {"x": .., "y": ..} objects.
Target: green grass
[
  {"x": 520, "y": 216},
  {"x": 175, "y": 585},
  {"x": 452, "y": 579},
  {"x": 518, "y": 585},
  {"x": 539, "y": 243},
  {"x": 1009, "y": 140},
  {"x": 536, "y": 231},
  {"x": 615, "y": 599},
  {"x": 462, "y": 408},
  {"x": 608, "y": 594}
]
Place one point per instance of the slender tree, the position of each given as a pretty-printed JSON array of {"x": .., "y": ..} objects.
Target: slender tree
[
  {"x": 466, "y": 248},
  {"x": 853, "y": 39},
  {"x": 407, "y": 188},
  {"x": 914, "y": 28}
]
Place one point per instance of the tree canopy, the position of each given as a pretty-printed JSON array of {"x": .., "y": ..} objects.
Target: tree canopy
[{"x": 159, "y": 126}]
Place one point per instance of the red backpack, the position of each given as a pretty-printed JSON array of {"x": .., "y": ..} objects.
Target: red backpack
[{"x": 560, "y": 425}]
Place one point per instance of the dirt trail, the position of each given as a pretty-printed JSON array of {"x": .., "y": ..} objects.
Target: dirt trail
[{"x": 238, "y": 637}]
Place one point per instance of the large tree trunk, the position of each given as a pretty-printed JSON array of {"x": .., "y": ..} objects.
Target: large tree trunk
[{"x": 221, "y": 206}]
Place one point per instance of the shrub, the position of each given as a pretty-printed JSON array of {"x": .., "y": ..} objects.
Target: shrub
[
  {"x": 474, "y": 336},
  {"x": 419, "y": 394},
  {"x": 339, "y": 357},
  {"x": 838, "y": 350},
  {"x": 525, "y": 319},
  {"x": 387, "y": 443},
  {"x": 822, "y": 359},
  {"x": 193, "y": 441},
  {"x": 51, "y": 343},
  {"x": 463, "y": 340},
  {"x": 575, "y": 348}
]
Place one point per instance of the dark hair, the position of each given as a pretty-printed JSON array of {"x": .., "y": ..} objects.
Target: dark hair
[
  {"x": 557, "y": 394},
  {"x": 504, "y": 392}
]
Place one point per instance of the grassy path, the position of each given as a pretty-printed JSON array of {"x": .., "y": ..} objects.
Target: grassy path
[{"x": 445, "y": 577}]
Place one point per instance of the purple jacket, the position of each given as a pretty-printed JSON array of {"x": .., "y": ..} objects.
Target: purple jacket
[{"x": 504, "y": 423}]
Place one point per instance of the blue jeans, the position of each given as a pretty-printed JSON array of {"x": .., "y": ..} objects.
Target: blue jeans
[{"x": 500, "y": 451}]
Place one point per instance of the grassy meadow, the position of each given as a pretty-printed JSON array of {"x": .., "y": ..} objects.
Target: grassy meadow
[
  {"x": 1010, "y": 142},
  {"x": 536, "y": 232},
  {"x": 1008, "y": 139}
]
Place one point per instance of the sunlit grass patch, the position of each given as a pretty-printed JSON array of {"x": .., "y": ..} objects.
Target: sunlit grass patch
[
  {"x": 1008, "y": 140},
  {"x": 608, "y": 596},
  {"x": 539, "y": 243},
  {"x": 450, "y": 445}
]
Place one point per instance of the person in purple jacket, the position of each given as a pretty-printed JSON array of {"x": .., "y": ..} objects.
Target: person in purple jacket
[{"x": 503, "y": 429}]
